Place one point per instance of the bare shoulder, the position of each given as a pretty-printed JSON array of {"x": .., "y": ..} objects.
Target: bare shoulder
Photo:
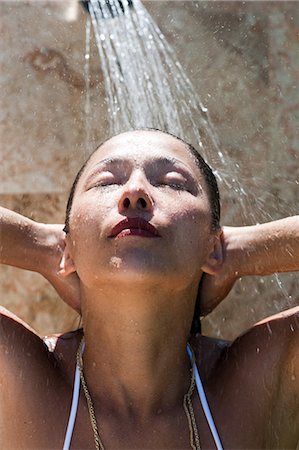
[
  {"x": 22, "y": 349},
  {"x": 7, "y": 319},
  {"x": 282, "y": 330},
  {"x": 19, "y": 337},
  {"x": 260, "y": 370},
  {"x": 270, "y": 352},
  {"x": 277, "y": 334},
  {"x": 20, "y": 345},
  {"x": 13, "y": 328},
  {"x": 279, "y": 329},
  {"x": 33, "y": 388},
  {"x": 274, "y": 338}
]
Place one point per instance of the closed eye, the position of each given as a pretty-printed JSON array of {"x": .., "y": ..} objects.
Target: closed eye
[
  {"x": 104, "y": 179},
  {"x": 173, "y": 180},
  {"x": 176, "y": 186}
]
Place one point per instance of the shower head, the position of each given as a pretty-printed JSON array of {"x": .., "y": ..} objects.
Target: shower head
[{"x": 109, "y": 8}]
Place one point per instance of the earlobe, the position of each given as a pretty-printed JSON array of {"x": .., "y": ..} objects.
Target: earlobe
[
  {"x": 66, "y": 266},
  {"x": 215, "y": 258}
]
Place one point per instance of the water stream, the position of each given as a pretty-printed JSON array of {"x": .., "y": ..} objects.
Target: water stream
[{"x": 146, "y": 85}]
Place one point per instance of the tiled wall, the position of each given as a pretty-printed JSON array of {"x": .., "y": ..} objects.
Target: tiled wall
[{"x": 243, "y": 59}]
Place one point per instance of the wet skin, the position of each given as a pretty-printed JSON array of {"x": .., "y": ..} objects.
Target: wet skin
[
  {"x": 248, "y": 400},
  {"x": 130, "y": 279}
]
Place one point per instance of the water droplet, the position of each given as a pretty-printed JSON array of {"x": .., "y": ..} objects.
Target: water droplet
[{"x": 269, "y": 328}]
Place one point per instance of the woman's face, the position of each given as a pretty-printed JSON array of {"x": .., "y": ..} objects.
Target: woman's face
[{"x": 140, "y": 213}]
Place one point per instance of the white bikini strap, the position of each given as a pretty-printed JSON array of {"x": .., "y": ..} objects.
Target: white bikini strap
[
  {"x": 201, "y": 393},
  {"x": 204, "y": 402},
  {"x": 73, "y": 412}
]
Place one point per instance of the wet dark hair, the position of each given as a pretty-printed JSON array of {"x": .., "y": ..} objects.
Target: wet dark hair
[{"x": 212, "y": 189}]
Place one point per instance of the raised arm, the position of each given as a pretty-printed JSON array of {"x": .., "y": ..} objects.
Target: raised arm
[
  {"x": 38, "y": 247},
  {"x": 253, "y": 250},
  {"x": 27, "y": 244}
]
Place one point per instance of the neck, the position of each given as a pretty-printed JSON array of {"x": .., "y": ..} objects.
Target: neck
[{"x": 136, "y": 346}]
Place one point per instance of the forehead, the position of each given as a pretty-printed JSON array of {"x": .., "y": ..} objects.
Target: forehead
[{"x": 144, "y": 146}]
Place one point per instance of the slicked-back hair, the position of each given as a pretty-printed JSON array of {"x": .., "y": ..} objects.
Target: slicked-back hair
[{"x": 212, "y": 190}]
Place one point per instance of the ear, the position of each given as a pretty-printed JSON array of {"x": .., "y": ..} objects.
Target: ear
[
  {"x": 214, "y": 260},
  {"x": 67, "y": 265}
]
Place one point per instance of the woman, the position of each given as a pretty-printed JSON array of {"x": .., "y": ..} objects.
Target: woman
[{"x": 141, "y": 230}]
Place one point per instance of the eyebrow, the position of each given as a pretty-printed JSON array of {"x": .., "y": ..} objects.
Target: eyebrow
[{"x": 163, "y": 161}]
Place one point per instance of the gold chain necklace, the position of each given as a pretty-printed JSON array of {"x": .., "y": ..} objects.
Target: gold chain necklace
[{"x": 187, "y": 404}]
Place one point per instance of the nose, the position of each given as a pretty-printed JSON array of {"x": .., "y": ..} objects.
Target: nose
[{"x": 136, "y": 195}]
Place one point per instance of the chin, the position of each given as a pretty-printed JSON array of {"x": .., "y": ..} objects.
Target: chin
[{"x": 133, "y": 267}]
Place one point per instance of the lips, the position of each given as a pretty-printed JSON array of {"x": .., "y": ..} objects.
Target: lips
[{"x": 134, "y": 227}]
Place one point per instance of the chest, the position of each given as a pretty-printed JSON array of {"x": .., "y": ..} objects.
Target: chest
[
  {"x": 37, "y": 412},
  {"x": 41, "y": 421},
  {"x": 237, "y": 426}
]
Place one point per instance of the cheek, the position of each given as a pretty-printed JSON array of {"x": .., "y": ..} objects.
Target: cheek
[
  {"x": 192, "y": 216},
  {"x": 85, "y": 225},
  {"x": 192, "y": 226},
  {"x": 85, "y": 234},
  {"x": 88, "y": 213}
]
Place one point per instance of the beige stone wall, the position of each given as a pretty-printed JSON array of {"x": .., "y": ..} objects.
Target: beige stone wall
[{"x": 242, "y": 59}]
